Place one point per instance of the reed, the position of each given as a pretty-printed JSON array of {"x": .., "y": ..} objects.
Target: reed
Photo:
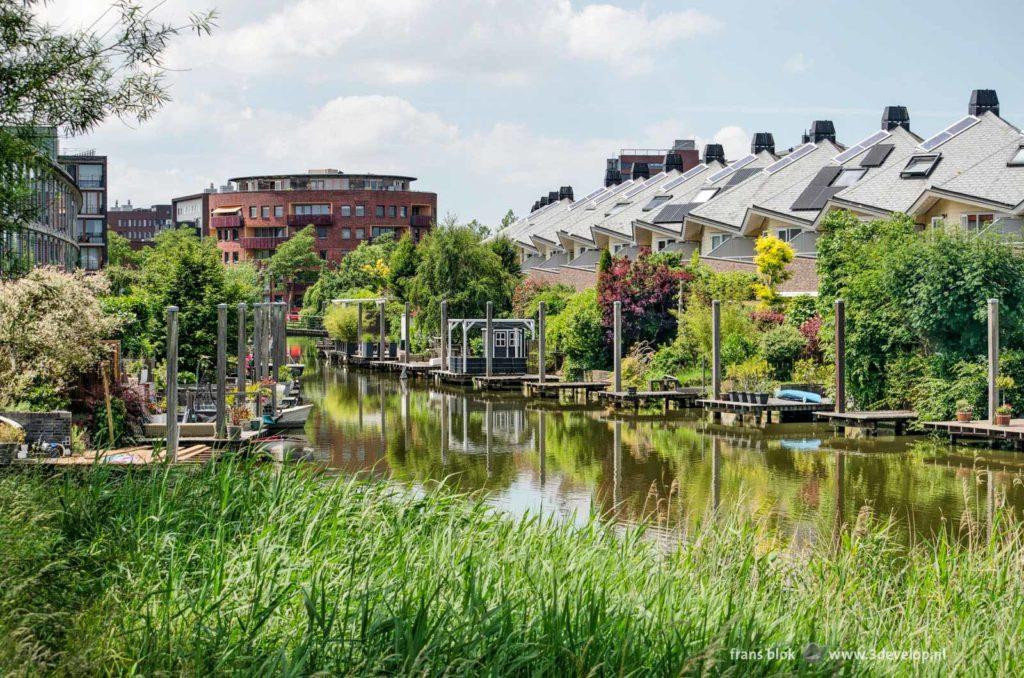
[{"x": 247, "y": 569}]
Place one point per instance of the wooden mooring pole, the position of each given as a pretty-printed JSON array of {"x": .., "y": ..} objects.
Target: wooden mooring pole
[
  {"x": 489, "y": 340},
  {"x": 243, "y": 352},
  {"x": 716, "y": 350},
  {"x": 222, "y": 367},
  {"x": 993, "y": 358},
  {"x": 383, "y": 333},
  {"x": 840, "y": 405},
  {"x": 541, "y": 320},
  {"x": 172, "y": 384},
  {"x": 617, "y": 344},
  {"x": 407, "y": 331},
  {"x": 359, "y": 329},
  {"x": 444, "y": 334}
]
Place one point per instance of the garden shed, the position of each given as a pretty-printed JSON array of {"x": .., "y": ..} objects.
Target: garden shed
[{"x": 507, "y": 345}]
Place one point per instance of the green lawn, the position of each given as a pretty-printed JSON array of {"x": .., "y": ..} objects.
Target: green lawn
[{"x": 246, "y": 569}]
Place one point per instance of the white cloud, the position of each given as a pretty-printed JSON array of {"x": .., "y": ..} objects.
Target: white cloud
[
  {"x": 798, "y": 63},
  {"x": 735, "y": 140}
]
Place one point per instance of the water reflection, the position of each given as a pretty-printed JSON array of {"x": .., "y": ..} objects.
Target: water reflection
[{"x": 576, "y": 461}]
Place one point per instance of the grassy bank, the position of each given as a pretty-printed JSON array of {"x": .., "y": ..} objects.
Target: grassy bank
[{"x": 244, "y": 570}]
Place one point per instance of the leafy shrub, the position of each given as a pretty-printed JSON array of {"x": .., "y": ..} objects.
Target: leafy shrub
[
  {"x": 800, "y": 309},
  {"x": 753, "y": 373},
  {"x": 577, "y": 333},
  {"x": 739, "y": 337},
  {"x": 809, "y": 371},
  {"x": 780, "y": 347},
  {"x": 529, "y": 293},
  {"x": 765, "y": 319},
  {"x": 773, "y": 256},
  {"x": 636, "y": 365},
  {"x": 649, "y": 292},
  {"x": 810, "y": 329},
  {"x": 341, "y": 322}
]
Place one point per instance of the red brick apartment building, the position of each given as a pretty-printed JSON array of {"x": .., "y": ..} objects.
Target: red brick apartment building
[{"x": 253, "y": 215}]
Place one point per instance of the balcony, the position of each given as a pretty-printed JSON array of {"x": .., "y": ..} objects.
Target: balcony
[
  {"x": 226, "y": 221},
  {"x": 303, "y": 220},
  {"x": 421, "y": 220},
  {"x": 262, "y": 243}
]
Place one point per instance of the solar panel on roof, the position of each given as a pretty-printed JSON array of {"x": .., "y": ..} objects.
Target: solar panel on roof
[
  {"x": 723, "y": 173},
  {"x": 948, "y": 133},
  {"x": 584, "y": 201},
  {"x": 877, "y": 155},
  {"x": 789, "y": 159},
  {"x": 685, "y": 176},
  {"x": 865, "y": 144}
]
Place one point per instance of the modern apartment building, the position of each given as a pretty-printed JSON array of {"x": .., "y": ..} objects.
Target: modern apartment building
[
  {"x": 193, "y": 211},
  {"x": 252, "y": 215},
  {"x": 89, "y": 172},
  {"x": 47, "y": 235},
  {"x": 969, "y": 174},
  {"x": 140, "y": 225}
]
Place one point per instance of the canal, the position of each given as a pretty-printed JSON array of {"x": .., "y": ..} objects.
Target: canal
[{"x": 571, "y": 460}]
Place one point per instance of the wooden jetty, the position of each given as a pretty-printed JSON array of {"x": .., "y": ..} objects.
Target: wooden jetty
[
  {"x": 869, "y": 422},
  {"x": 553, "y": 389},
  {"x": 139, "y": 455},
  {"x": 505, "y": 382},
  {"x": 682, "y": 397},
  {"x": 785, "y": 410},
  {"x": 979, "y": 430}
]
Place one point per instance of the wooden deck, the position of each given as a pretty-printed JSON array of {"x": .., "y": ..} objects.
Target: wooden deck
[
  {"x": 412, "y": 368},
  {"x": 870, "y": 422},
  {"x": 506, "y": 382},
  {"x": 140, "y": 455},
  {"x": 786, "y": 410},
  {"x": 550, "y": 389},
  {"x": 979, "y": 430},
  {"x": 683, "y": 397}
]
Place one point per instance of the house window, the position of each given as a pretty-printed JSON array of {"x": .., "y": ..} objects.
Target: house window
[
  {"x": 360, "y": 234},
  {"x": 321, "y": 232},
  {"x": 617, "y": 246},
  {"x": 92, "y": 202},
  {"x": 234, "y": 256},
  {"x": 323, "y": 254},
  {"x": 619, "y": 206},
  {"x": 252, "y": 211},
  {"x": 278, "y": 210},
  {"x": 717, "y": 240},
  {"x": 499, "y": 339},
  {"x": 234, "y": 234},
  {"x": 90, "y": 176},
  {"x": 936, "y": 222},
  {"x": 663, "y": 243},
  {"x": 265, "y": 211},
  {"x": 656, "y": 201},
  {"x": 405, "y": 211},
  {"x": 705, "y": 194},
  {"x": 976, "y": 222},
  {"x": 920, "y": 165},
  {"x": 346, "y": 210},
  {"x": 346, "y": 233},
  {"x": 1018, "y": 158},
  {"x": 787, "y": 234},
  {"x": 382, "y": 230},
  {"x": 848, "y": 177},
  {"x": 360, "y": 210},
  {"x": 306, "y": 210},
  {"x": 379, "y": 212},
  {"x": 392, "y": 211}
]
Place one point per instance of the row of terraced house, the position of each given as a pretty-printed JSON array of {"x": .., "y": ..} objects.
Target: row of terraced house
[{"x": 971, "y": 174}]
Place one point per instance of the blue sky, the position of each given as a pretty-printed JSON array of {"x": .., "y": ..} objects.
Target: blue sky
[{"x": 492, "y": 103}]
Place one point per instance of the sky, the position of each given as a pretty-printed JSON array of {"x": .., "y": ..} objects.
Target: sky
[{"x": 493, "y": 103}]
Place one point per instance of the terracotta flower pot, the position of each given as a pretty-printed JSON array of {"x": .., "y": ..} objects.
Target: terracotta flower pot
[
  {"x": 964, "y": 416},
  {"x": 1003, "y": 419}
]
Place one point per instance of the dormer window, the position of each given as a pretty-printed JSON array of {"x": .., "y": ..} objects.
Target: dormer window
[
  {"x": 705, "y": 194},
  {"x": 656, "y": 202},
  {"x": 1018, "y": 158},
  {"x": 920, "y": 165},
  {"x": 619, "y": 206}
]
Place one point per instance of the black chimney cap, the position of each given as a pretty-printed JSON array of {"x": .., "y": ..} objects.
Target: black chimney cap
[
  {"x": 536, "y": 205},
  {"x": 641, "y": 170},
  {"x": 565, "y": 192},
  {"x": 895, "y": 116},
  {"x": 762, "y": 141},
  {"x": 714, "y": 152},
  {"x": 543, "y": 201},
  {"x": 613, "y": 173},
  {"x": 673, "y": 161},
  {"x": 983, "y": 100},
  {"x": 552, "y": 196},
  {"x": 821, "y": 130}
]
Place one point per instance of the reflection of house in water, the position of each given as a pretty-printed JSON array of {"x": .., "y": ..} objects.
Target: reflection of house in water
[{"x": 475, "y": 426}]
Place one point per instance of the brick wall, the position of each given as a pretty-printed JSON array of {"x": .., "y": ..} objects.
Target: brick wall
[
  {"x": 49, "y": 427},
  {"x": 573, "y": 277}
]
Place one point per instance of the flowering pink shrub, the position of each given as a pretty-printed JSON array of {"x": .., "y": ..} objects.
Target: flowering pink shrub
[{"x": 648, "y": 292}]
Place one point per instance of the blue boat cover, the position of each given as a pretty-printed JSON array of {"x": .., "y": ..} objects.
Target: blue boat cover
[{"x": 799, "y": 396}]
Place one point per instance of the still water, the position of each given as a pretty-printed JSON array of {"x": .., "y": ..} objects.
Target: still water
[{"x": 573, "y": 460}]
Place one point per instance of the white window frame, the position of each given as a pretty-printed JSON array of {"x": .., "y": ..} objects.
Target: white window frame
[
  {"x": 978, "y": 225},
  {"x": 721, "y": 238}
]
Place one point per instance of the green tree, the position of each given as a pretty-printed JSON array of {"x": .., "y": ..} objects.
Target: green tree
[
  {"x": 457, "y": 265},
  {"x": 508, "y": 253},
  {"x": 773, "y": 256},
  {"x": 73, "y": 81},
  {"x": 120, "y": 252},
  {"x": 507, "y": 220},
  {"x": 295, "y": 261},
  {"x": 402, "y": 268},
  {"x": 578, "y": 333}
]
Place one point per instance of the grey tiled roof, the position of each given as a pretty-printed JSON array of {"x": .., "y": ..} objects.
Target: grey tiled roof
[
  {"x": 587, "y": 260},
  {"x": 990, "y": 178},
  {"x": 554, "y": 263},
  {"x": 888, "y": 191}
]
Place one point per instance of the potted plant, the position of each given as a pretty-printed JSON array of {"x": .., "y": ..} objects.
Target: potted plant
[
  {"x": 11, "y": 438},
  {"x": 238, "y": 415},
  {"x": 964, "y": 410},
  {"x": 764, "y": 390},
  {"x": 1003, "y": 414}
]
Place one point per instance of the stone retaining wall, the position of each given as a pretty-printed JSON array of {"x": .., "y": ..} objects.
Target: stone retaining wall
[{"x": 48, "y": 427}]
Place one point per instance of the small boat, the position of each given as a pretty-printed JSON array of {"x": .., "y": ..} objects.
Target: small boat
[{"x": 289, "y": 417}]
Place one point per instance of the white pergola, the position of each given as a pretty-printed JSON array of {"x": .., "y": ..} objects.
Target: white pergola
[
  {"x": 380, "y": 301},
  {"x": 467, "y": 324}
]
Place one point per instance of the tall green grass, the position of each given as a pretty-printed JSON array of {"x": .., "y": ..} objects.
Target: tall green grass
[{"x": 255, "y": 570}]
